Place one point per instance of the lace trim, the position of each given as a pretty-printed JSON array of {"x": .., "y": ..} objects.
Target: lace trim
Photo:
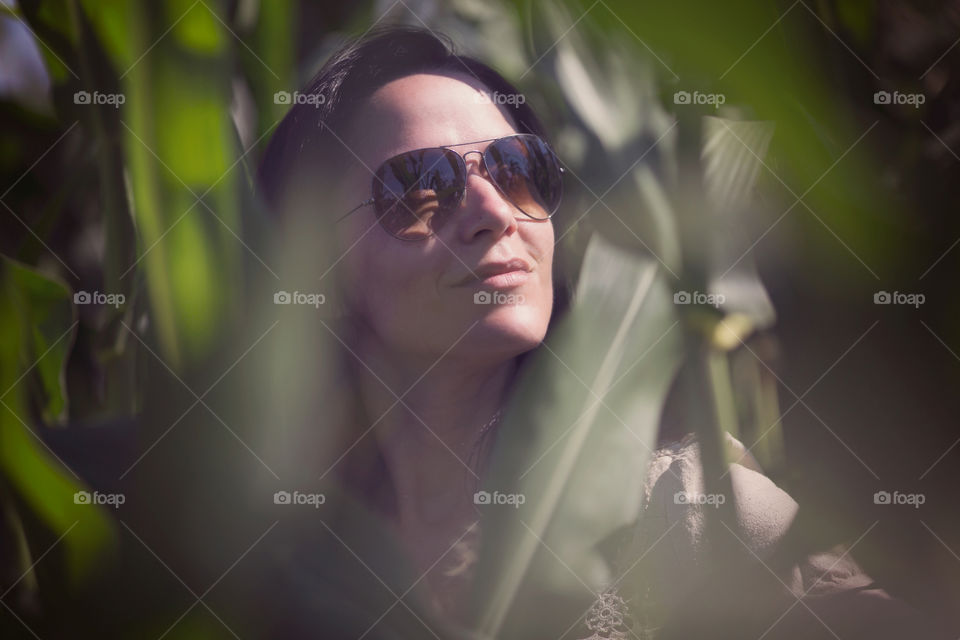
[{"x": 609, "y": 618}]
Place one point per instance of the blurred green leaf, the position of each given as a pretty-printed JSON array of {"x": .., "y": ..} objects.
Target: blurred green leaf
[
  {"x": 196, "y": 26},
  {"x": 49, "y": 22},
  {"x": 762, "y": 57},
  {"x": 733, "y": 157},
  {"x": 112, "y": 20},
  {"x": 604, "y": 93},
  {"x": 180, "y": 144},
  {"x": 274, "y": 55},
  {"x": 591, "y": 402},
  {"x": 733, "y": 153},
  {"x": 187, "y": 106},
  {"x": 37, "y": 315},
  {"x": 858, "y": 17},
  {"x": 46, "y": 312}
]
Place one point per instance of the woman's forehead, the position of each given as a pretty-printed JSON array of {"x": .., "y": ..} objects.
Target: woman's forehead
[{"x": 426, "y": 110}]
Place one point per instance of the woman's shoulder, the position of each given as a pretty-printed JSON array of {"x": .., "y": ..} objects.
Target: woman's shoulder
[
  {"x": 665, "y": 567},
  {"x": 669, "y": 546},
  {"x": 674, "y": 494}
]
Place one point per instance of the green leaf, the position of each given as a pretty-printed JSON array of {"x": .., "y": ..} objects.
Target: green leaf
[
  {"x": 733, "y": 153},
  {"x": 111, "y": 21},
  {"x": 46, "y": 313},
  {"x": 604, "y": 93},
  {"x": 184, "y": 197},
  {"x": 37, "y": 314},
  {"x": 575, "y": 444},
  {"x": 197, "y": 27},
  {"x": 733, "y": 157}
]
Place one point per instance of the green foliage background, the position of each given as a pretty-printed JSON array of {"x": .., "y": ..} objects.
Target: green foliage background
[{"x": 153, "y": 200}]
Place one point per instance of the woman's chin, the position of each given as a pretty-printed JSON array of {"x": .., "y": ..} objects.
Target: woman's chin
[{"x": 515, "y": 326}]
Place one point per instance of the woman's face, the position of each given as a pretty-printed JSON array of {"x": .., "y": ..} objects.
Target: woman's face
[{"x": 420, "y": 299}]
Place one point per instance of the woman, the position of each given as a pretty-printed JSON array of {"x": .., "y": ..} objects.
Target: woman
[{"x": 444, "y": 197}]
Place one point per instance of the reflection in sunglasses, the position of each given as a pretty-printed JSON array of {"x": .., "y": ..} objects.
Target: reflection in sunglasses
[{"x": 416, "y": 191}]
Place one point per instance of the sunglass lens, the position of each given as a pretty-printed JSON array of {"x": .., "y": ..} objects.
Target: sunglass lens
[
  {"x": 416, "y": 192},
  {"x": 527, "y": 172}
]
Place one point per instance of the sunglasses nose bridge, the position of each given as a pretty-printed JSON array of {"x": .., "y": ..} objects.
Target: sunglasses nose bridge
[
  {"x": 465, "y": 164},
  {"x": 483, "y": 172},
  {"x": 481, "y": 165}
]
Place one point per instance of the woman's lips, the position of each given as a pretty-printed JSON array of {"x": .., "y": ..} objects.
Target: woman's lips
[
  {"x": 509, "y": 280},
  {"x": 499, "y": 275}
]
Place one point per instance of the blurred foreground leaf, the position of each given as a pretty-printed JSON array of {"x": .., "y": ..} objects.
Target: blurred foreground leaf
[
  {"x": 733, "y": 156},
  {"x": 575, "y": 444},
  {"x": 180, "y": 146},
  {"x": 35, "y": 320}
]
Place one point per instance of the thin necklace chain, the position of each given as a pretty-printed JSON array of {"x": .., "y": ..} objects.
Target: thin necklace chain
[{"x": 494, "y": 420}]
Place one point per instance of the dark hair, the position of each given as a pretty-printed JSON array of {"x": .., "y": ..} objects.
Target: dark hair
[
  {"x": 308, "y": 140},
  {"x": 307, "y": 144}
]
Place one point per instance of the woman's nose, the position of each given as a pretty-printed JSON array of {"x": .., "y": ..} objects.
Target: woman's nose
[{"x": 484, "y": 206}]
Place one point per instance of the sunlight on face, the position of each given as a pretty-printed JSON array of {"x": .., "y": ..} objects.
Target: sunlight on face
[{"x": 412, "y": 295}]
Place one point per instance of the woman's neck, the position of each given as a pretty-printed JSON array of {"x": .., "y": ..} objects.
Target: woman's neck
[{"x": 427, "y": 426}]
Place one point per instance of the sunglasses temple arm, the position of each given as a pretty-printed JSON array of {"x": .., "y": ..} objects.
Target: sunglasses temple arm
[{"x": 362, "y": 204}]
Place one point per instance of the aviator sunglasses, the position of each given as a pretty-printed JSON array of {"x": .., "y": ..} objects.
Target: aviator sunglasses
[{"x": 416, "y": 192}]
